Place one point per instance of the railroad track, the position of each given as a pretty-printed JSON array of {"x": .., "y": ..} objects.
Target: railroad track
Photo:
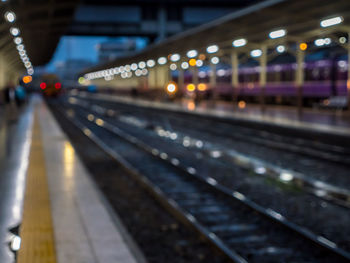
[
  {"x": 228, "y": 156},
  {"x": 238, "y": 227},
  {"x": 306, "y": 147}
]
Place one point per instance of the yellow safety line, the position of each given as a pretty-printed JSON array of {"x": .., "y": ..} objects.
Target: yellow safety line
[{"x": 37, "y": 229}]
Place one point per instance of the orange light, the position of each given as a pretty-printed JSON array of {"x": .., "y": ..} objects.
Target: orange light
[
  {"x": 43, "y": 85},
  {"x": 192, "y": 62},
  {"x": 27, "y": 79},
  {"x": 191, "y": 105},
  {"x": 303, "y": 46},
  {"x": 171, "y": 88},
  {"x": 202, "y": 87},
  {"x": 58, "y": 85},
  {"x": 201, "y": 57},
  {"x": 241, "y": 104},
  {"x": 191, "y": 87}
]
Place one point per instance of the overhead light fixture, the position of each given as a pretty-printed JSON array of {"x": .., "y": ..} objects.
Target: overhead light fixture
[
  {"x": 175, "y": 57},
  {"x": 14, "y": 31},
  {"x": 18, "y": 40},
  {"x": 162, "y": 60},
  {"x": 151, "y": 63},
  {"x": 20, "y": 47},
  {"x": 184, "y": 65},
  {"x": 239, "y": 42},
  {"x": 322, "y": 42},
  {"x": 142, "y": 64},
  {"x": 278, "y": 33},
  {"x": 256, "y": 53},
  {"x": 212, "y": 49},
  {"x": 342, "y": 40},
  {"x": 215, "y": 60},
  {"x": 327, "y": 41},
  {"x": 192, "y": 53},
  {"x": 281, "y": 49},
  {"x": 10, "y": 16},
  {"x": 173, "y": 66},
  {"x": 331, "y": 21},
  {"x": 199, "y": 63}
]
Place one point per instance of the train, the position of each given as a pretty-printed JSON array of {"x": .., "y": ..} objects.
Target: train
[
  {"x": 324, "y": 79},
  {"x": 50, "y": 85}
]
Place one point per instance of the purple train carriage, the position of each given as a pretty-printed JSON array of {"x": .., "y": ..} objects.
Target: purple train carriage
[{"x": 323, "y": 79}]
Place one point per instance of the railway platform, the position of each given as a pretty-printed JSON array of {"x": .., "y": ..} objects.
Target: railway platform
[
  {"x": 51, "y": 210},
  {"x": 332, "y": 122}
]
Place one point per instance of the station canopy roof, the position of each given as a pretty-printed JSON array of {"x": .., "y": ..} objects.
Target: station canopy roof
[
  {"x": 300, "y": 19},
  {"x": 41, "y": 23}
]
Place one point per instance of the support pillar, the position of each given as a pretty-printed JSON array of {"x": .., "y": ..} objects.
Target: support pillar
[
  {"x": 163, "y": 74},
  {"x": 262, "y": 77},
  {"x": 234, "y": 79},
  {"x": 181, "y": 79},
  {"x": 299, "y": 81},
  {"x": 151, "y": 79},
  {"x": 195, "y": 76}
]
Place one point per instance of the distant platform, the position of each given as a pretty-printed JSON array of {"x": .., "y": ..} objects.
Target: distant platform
[
  {"x": 333, "y": 122},
  {"x": 64, "y": 216}
]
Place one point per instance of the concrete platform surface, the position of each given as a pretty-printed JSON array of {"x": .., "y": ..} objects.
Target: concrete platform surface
[{"x": 76, "y": 215}]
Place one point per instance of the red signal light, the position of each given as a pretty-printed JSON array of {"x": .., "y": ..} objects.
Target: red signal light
[
  {"x": 43, "y": 85},
  {"x": 58, "y": 85}
]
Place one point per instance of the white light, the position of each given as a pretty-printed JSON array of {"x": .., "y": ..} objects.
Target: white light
[
  {"x": 142, "y": 64},
  {"x": 22, "y": 53},
  {"x": 173, "y": 66},
  {"x": 20, "y": 47},
  {"x": 286, "y": 176},
  {"x": 184, "y": 65},
  {"x": 281, "y": 49},
  {"x": 127, "y": 68},
  {"x": 256, "y": 53},
  {"x": 18, "y": 40},
  {"x": 133, "y": 66},
  {"x": 212, "y": 49},
  {"x": 30, "y": 71},
  {"x": 192, "y": 53},
  {"x": 331, "y": 21},
  {"x": 342, "y": 40},
  {"x": 215, "y": 60},
  {"x": 319, "y": 42},
  {"x": 138, "y": 72},
  {"x": 171, "y": 87},
  {"x": 116, "y": 71},
  {"x": 239, "y": 42},
  {"x": 10, "y": 17},
  {"x": 199, "y": 63},
  {"x": 162, "y": 60},
  {"x": 327, "y": 41},
  {"x": 175, "y": 57},
  {"x": 16, "y": 243},
  {"x": 151, "y": 63},
  {"x": 277, "y": 34},
  {"x": 144, "y": 71},
  {"x": 14, "y": 31}
]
